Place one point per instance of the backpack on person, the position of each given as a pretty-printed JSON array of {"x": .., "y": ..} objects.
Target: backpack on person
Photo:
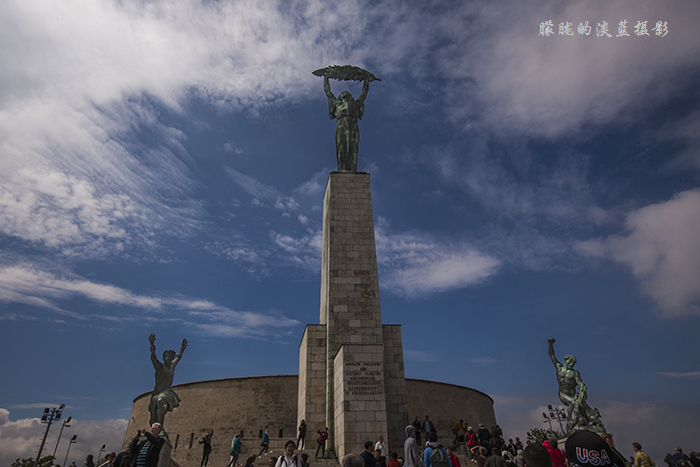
[{"x": 438, "y": 458}]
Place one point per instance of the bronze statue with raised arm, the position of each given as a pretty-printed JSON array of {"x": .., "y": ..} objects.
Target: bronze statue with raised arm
[
  {"x": 163, "y": 398},
  {"x": 346, "y": 110},
  {"x": 579, "y": 414}
]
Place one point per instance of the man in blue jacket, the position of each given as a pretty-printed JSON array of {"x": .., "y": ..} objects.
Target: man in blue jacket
[{"x": 435, "y": 455}]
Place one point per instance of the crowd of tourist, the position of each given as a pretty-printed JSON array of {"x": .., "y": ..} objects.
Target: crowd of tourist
[{"x": 483, "y": 447}]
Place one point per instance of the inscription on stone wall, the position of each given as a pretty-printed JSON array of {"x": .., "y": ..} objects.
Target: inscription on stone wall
[{"x": 363, "y": 379}]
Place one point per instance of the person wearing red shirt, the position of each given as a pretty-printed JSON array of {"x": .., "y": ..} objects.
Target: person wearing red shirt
[{"x": 453, "y": 458}]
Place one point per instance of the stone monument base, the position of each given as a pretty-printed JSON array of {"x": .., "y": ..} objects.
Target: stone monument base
[
  {"x": 165, "y": 458},
  {"x": 247, "y": 406},
  {"x": 360, "y": 400}
]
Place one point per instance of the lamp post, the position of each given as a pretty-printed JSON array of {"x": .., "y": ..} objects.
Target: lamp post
[
  {"x": 547, "y": 419},
  {"x": 98, "y": 454},
  {"x": 558, "y": 414},
  {"x": 49, "y": 416},
  {"x": 72, "y": 441},
  {"x": 65, "y": 424}
]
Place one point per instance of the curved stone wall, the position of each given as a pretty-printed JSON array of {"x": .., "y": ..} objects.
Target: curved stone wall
[
  {"x": 228, "y": 406},
  {"x": 446, "y": 403},
  {"x": 249, "y": 405}
]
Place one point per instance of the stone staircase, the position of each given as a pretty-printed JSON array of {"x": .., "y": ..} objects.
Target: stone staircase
[{"x": 262, "y": 461}]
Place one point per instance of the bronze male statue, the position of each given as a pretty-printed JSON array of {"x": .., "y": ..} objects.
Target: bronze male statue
[
  {"x": 346, "y": 110},
  {"x": 163, "y": 398},
  {"x": 579, "y": 414}
]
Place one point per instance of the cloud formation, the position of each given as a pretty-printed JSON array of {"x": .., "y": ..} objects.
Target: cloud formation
[
  {"x": 559, "y": 85},
  {"x": 415, "y": 265},
  {"x": 21, "y": 438},
  {"x": 418, "y": 356},
  {"x": 662, "y": 250},
  {"x": 77, "y": 177},
  {"x": 79, "y": 88},
  {"x": 31, "y": 285}
]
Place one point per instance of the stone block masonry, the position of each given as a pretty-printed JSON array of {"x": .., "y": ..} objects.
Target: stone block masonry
[
  {"x": 360, "y": 397},
  {"x": 363, "y": 375},
  {"x": 251, "y": 404},
  {"x": 312, "y": 379}
]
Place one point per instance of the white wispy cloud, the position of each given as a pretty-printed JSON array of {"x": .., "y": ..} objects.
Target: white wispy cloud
[
  {"x": 411, "y": 264},
  {"x": 240, "y": 324},
  {"x": 687, "y": 132},
  {"x": 253, "y": 187},
  {"x": 304, "y": 252},
  {"x": 291, "y": 248},
  {"x": 528, "y": 209},
  {"x": 31, "y": 285},
  {"x": 251, "y": 257},
  {"x": 79, "y": 80},
  {"x": 415, "y": 265},
  {"x": 314, "y": 187},
  {"x": 418, "y": 356},
  {"x": 18, "y": 317},
  {"x": 662, "y": 249},
  {"x": 78, "y": 87},
  {"x": 557, "y": 85},
  {"x": 514, "y": 182}
]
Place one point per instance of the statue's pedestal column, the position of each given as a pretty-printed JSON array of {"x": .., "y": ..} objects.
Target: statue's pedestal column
[
  {"x": 363, "y": 382},
  {"x": 164, "y": 458},
  {"x": 359, "y": 395},
  {"x": 350, "y": 306}
]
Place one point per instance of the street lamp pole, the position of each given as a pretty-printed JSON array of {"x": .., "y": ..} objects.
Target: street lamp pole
[
  {"x": 99, "y": 453},
  {"x": 547, "y": 419},
  {"x": 49, "y": 416},
  {"x": 72, "y": 441},
  {"x": 65, "y": 424},
  {"x": 557, "y": 413}
]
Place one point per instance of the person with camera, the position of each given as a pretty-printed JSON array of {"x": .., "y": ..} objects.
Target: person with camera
[{"x": 145, "y": 453}]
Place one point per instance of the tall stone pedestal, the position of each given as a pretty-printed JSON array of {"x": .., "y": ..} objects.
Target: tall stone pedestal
[
  {"x": 359, "y": 396},
  {"x": 351, "y": 373},
  {"x": 165, "y": 458}
]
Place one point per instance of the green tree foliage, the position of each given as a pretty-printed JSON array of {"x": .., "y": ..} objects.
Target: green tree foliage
[{"x": 539, "y": 435}]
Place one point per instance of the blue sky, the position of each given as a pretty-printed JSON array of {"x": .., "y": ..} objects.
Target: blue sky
[{"x": 162, "y": 168}]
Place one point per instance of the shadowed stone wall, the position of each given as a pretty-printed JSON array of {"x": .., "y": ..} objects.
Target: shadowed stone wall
[
  {"x": 228, "y": 406},
  {"x": 396, "y": 398},
  {"x": 253, "y": 404},
  {"x": 446, "y": 403},
  {"x": 312, "y": 379}
]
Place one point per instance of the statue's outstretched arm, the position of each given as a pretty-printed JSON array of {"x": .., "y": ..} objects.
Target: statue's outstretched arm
[
  {"x": 555, "y": 362},
  {"x": 331, "y": 98},
  {"x": 154, "y": 359},
  {"x": 363, "y": 94},
  {"x": 327, "y": 88},
  {"x": 178, "y": 355}
]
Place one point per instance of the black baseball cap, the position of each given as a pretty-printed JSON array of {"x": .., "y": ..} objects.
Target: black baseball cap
[{"x": 587, "y": 449}]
